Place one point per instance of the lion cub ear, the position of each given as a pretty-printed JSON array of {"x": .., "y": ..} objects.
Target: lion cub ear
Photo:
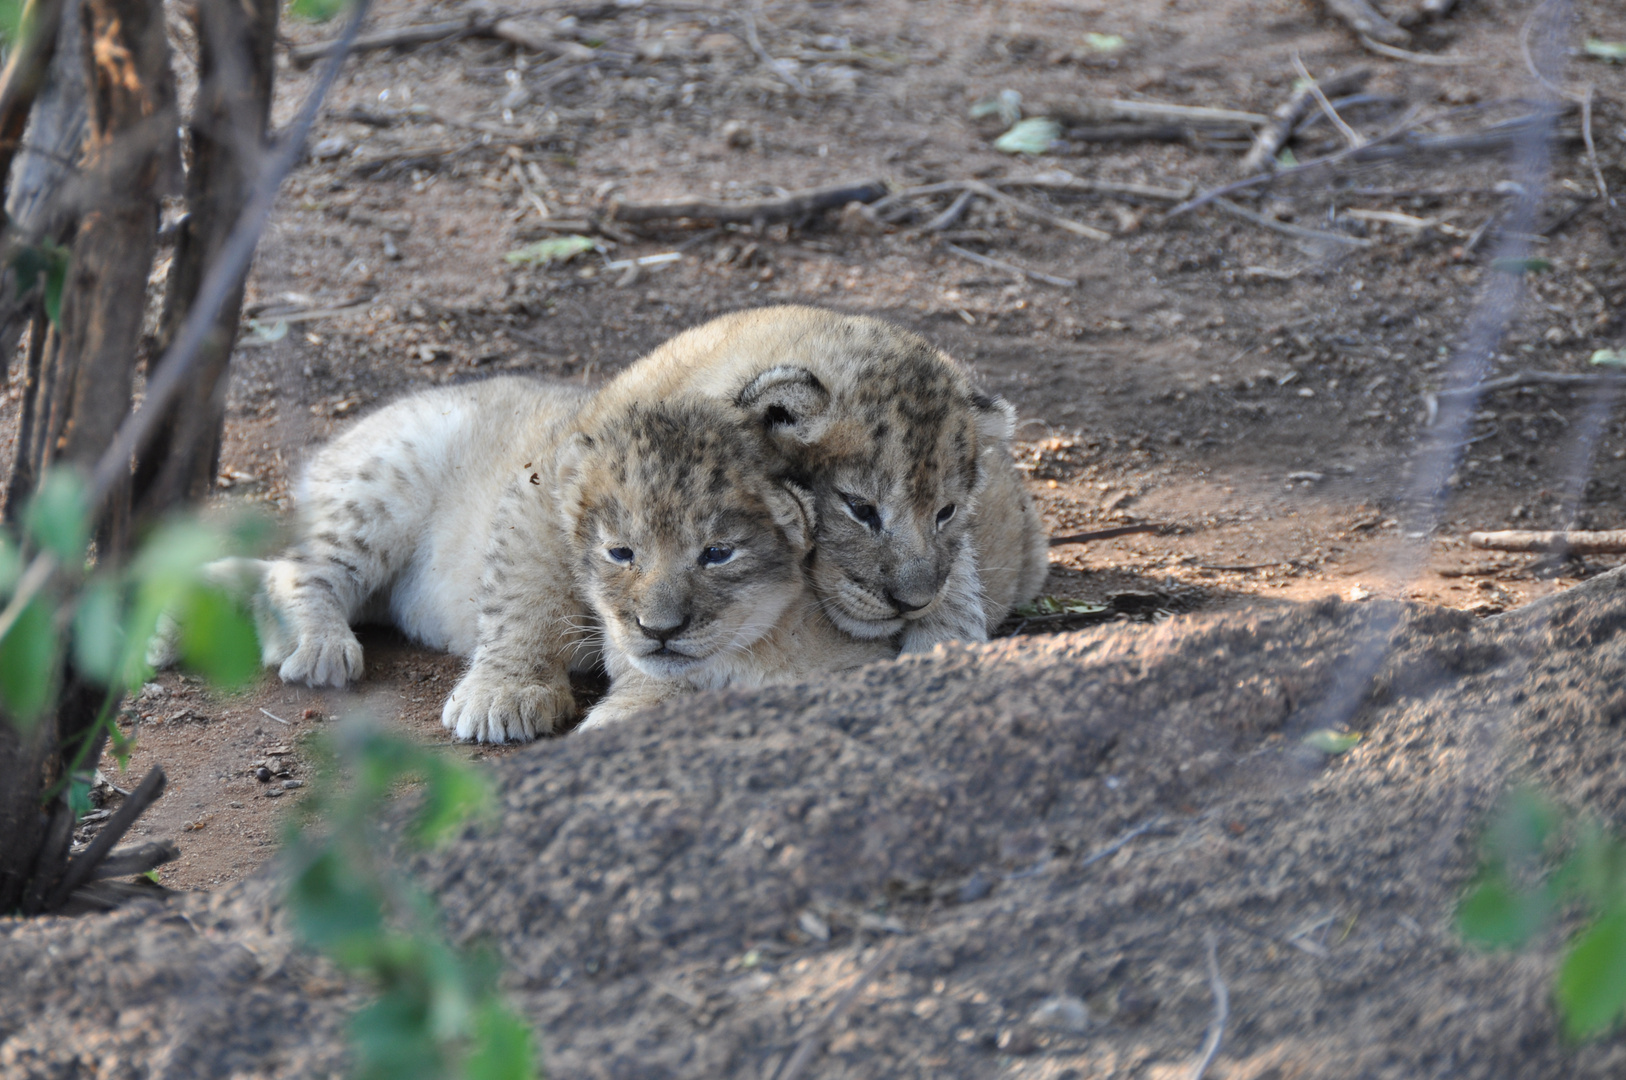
[
  {"x": 787, "y": 402},
  {"x": 996, "y": 419},
  {"x": 567, "y": 464},
  {"x": 793, "y": 511}
]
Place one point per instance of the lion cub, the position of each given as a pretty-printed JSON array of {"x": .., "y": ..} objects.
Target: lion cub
[
  {"x": 496, "y": 521},
  {"x": 925, "y": 530}
]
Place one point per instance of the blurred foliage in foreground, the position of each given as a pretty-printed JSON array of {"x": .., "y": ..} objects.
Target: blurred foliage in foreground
[
  {"x": 438, "y": 1012},
  {"x": 1537, "y": 864}
]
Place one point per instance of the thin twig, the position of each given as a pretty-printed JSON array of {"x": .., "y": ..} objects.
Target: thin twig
[
  {"x": 1289, "y": 229},
  {"x": 1366, "y": 20},
  {"x": 1398, "y": 131},
  {"x": 1011, "y": 268},
  {"x": 1529, "y": 378},
  {"x": 173, "y": 369},
  {"x": 1351, "y": 136},
  {"x": 78, "y": 871},
  {"x": 1423, "y": 59},
  {"x": 403, "y": 37},
  {"x": 773, "y": 65},
  {"x": 1028, "y": 210},
  {"x": 795, "y": 205},
  {"x": 274, "y": 716},
  {"x": 1222, "y": 1009},
  {"x": 1149, "y": 825},
  {"x": 949, "y": 217},
  {"x": 810, "y": 1043},
  {"x": 1105, "y": 534},
  {"x": 1273, "y": 136},
  {"x": 1577, "y": 542}
]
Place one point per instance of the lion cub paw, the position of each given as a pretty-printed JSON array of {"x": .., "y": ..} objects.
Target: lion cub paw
[
  {"x": 326, "y": 658},
  {"x": 489, "y": 708}
]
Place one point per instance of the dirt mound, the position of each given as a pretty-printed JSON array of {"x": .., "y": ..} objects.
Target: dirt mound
[{"x": 1012, "y": 853}]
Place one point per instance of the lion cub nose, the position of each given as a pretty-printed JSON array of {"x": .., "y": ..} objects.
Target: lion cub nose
[
  {"x": 905, "y": 606},
  {"x": 664, "y": 633}
]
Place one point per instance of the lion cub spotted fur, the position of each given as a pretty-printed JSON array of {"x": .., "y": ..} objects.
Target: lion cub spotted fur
[
  {"x": 925, "y": 530},
  {"x": 496, "y": 521}
]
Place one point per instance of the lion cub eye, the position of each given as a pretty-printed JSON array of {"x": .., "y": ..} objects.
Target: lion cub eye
[
  {"x": 862, "y": 511},
  {"x": 716, "y": 555},
  {"x": 622, "y": 555},
  {"x": 945, "y": 515}
]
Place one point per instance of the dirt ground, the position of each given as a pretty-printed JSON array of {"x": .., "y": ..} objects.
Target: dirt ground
[{"x": 1266, "y": 396}]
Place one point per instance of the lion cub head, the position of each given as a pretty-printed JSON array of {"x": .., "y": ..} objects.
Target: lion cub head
[
  {"x": 684, "y": 545},
  {"x": 889, "y": 434}
]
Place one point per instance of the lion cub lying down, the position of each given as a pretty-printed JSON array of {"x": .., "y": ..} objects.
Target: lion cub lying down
[{"x": 494, "y": 521}]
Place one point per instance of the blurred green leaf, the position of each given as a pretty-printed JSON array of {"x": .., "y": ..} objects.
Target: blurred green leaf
[
  {"x": 1521, "y": 828},
  {"x": 316, "y": 10},
  {"x": 11, "y": 564},
  {"x": 79, "y": 796},
  {"x": 58, "y": 516},
  {"x": 1333, "y": 742},
  {"x": 334, "y": 907},
  {"x": 502, "y": 1046},
  {"x": 218, "y": 639},
  {"x": 1614, "y": 51},
  {"x": 1597, "y": 868},
  {"x": 1034, "y": 136},
  {"x": 553, "y": 249},
  {"x": 1495, "y": 914},
  {"x": 47, "y": 260},
  {"x": 28, "y": 658},
  {"x": 266, "y": 333},
  {"x": 454, "y": 795},
  {"x": 393, "y": 1040},
  {"x": 1591, "y": 986},
  {"x": 98, "y": 630},
  {"x": 1286, "y": 158},
  {"x": 1531, "y": 265},
  {"x": 1106, "y": 43},
  {"x": 1609, "y": 358}
]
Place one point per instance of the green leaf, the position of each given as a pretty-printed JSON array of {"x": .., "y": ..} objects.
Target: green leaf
[
  {"x": 553, "y": 249},
  {"x": 1613, "y": 51},
  {"x": 218, "y": 639},
  {"x": 1105, "y": 43},
  {"x": 316, "y": 10},
  {"x": 453, "y": 795},
  {"x": 1521, "y": 266},
  {"x": 47, "y": 259},
  {"x": 79, "y": 797},
  {"x": 1591, "y": 986},
  {"x": 393, "y": 1040},
  {"x": 28, "y": 659},
  {"x": 1333, "y": 742},
  {"x": 1609, "y": 358},
  {"x": 1522, "y": 827},
  {"x": 1033, "y": 136},
  {"x": 11, "y": 20},
  {"x": 1286, "y": 158},
  {"x": 1597, "y": 868},
  {"x": 334, "y": 908},
  {"x": 1495, "y": 914},
  {"x": 58, "y": 516},
  {"x": 502, "y": 1047},
  {"x": 98, "y": 630},
  {"x": 266, "y": 333}
]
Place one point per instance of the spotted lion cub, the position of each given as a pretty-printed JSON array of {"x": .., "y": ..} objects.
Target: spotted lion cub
[
  {"x": 507, "y": 522},
  {"x": 925, "y": 530}
]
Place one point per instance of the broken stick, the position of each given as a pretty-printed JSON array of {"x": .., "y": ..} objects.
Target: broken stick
[
  {"x": 1273, "y": 136},
  {"x": 1106, "y": 534},
  {"x": 798, "y": 204},
  {"x": 1367, "y": 21},
  {"x": 404, "y": 37},
  {"x": 1606, "y": 542}
]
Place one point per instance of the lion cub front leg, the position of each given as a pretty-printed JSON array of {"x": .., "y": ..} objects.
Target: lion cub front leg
[{"x": 531, "y": 626}]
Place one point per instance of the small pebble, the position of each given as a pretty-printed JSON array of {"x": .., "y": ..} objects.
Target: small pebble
[
  {"x": 263, "y": 775},
  {"x": 977, "y": 886},
  {"x": 289, "y": 785},
  {"x": 272, "y": 793},
  {"x": 1018, "y": 1040}
]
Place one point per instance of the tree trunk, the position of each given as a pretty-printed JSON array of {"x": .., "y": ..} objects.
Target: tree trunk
[
  {"x": 84, "y": 388},
  {"x": 229, "y": 129}
]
